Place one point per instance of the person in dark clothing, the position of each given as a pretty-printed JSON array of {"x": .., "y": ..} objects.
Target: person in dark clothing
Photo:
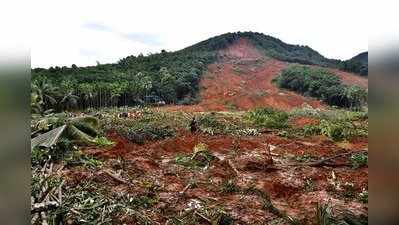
[
  {"x": 193, "y": 125},
  {"x": 123, "y": 115}
]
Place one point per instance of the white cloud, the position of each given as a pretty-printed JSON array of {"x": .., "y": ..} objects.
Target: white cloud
[{"x": 82, "y": 32}]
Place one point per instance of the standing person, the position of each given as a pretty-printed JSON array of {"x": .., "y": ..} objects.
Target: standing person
[{"x": 193, "y": 125}]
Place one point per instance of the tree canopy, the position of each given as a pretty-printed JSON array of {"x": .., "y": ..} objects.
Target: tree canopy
[{"x": 321, "y": 84}]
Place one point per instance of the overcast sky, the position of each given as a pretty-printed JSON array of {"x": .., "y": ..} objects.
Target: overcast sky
[{"x": 83, "y": 32}]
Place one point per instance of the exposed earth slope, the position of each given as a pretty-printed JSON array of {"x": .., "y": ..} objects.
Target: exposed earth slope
[{"x": 242, "y": 78}]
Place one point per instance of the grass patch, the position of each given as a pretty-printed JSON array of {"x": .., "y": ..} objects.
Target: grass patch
[
  {"x": 210, "y": 125},
  {"x": 237, "y": 70},
  {"x": 229, "y": 187},
  {"x": 231, "y": 106},
  {"x": 103, "y": 141},
  {"x": 200, "y": 158},
  {"x": 339, "y": 130},
  {"x": 78, "y": 158},
  {"x": 304, "y": 158},
  {"x": 336, "y": 129},
  {"x": 268, "y": 118},
  {"x": 309, "y": 185}
]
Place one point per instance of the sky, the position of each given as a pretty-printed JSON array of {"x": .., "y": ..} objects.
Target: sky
[{"x": 84, "y": 32}]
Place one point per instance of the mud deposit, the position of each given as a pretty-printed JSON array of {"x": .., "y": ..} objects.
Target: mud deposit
[{"x": 294, "y": 190}]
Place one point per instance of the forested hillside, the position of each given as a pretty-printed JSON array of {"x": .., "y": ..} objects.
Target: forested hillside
[
  {"x": 170, "y": 77},
  {"x": 358, "y": 64}
]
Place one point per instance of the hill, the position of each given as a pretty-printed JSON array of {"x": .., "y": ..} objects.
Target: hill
[
  {"x": 269, "y": 46},
  {"x": 362, "y": 58},
  {"x": 170, "y": 77},
  {"x": 358, "y": 64}
]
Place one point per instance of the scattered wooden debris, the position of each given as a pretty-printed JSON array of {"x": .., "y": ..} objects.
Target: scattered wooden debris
[
  {"x": 324, "y": 162},
  {"x": 46, "y": 199},
  {"x": 117, "y": 178}
]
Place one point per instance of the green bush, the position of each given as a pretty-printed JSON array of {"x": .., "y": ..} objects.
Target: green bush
[
  {"x": 102, "y": 141},
  {"x": 39, "y": 156},
  {"x": 309, "y": 130},
  {"x": 210, "y": 125},
  {"x": 338, "y": 129},
  {"x": 229, "y": 186},
  {"x": 200, "y": 158},
  {"x": 268, "y": 117},
  {"x": 146, "y": 132},
  {"x": 338, "y": 126},
  {"x": 78, "y": 158},
  {"x": 359, "y": 160}
]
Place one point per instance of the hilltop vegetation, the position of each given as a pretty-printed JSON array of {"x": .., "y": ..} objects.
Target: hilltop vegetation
[
  {"x": 321, "y": 84},
  {"x": 270, "y": 46},
  {"x": 357, "y": 64}
]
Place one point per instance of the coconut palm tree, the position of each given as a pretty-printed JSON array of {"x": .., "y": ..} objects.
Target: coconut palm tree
[
  {"x": 36, "y": 102},
  {"x": 47, "y": 93},
  {"x": 69, "y": 101}
]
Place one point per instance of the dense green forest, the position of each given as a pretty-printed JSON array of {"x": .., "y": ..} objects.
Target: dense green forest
[
  {"x": 357, "y": 64},
  {"x": 321, "y": 84},
  {"x": 170, "y": 77}
]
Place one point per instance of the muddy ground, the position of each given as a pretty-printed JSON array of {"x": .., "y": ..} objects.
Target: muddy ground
[{"x": 242, "y": 160}]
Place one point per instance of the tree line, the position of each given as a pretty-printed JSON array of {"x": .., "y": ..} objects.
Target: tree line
[{"x": 170, "y": 77}]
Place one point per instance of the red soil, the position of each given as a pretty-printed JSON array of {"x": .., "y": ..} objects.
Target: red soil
[
  {"x": 286, "y": 186},
  {"x": 241, "y": 50},
  {"x": 299, "y": 122},
  {"x": 242, "y": 80},
  {"x": 222, "y": 87},
  {"x": 351, "y": 79}
]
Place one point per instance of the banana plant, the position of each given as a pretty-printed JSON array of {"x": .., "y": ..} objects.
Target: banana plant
[{"x": 82, "y": 130}]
